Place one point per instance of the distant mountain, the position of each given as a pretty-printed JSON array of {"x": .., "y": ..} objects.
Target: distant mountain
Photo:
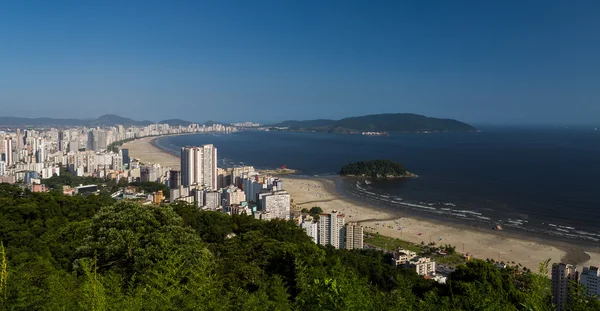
[
  {"x": 113, "y": 119},
  {"x": 388, "y": 122},
  {"x": 176, "y": 122},
  {"x": 105, "y": 120}
]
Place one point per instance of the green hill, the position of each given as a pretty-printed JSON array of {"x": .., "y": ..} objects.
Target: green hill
[{"x": 388, "y": 122}]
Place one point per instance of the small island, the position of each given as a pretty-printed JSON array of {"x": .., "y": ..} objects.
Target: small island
[{"x": 376, "y": 169}]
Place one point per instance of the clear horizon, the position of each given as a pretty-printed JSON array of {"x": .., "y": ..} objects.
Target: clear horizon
[{"x": 507, "y": 63}]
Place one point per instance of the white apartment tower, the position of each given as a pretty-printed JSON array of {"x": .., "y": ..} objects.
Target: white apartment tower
[
  {"x": 278, "y": 204},
  {"x": 590, "y": 279},
  {"x": 332, "y": 230},
  {"x": 312, "y": 230},
  {"x": 354, "y": 236},
  {"x": 562, "y": 275},
  {"x": 8, "y": 147},
  {"x": 199, "y": 166}
]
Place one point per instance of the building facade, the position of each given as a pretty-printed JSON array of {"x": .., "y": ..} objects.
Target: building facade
[
  {"x": 332, "y": 230},
  {"x": 562, "y": 275},
  {"x": 312, "y": 230},
  {"x": 354, "y": 236},
  {"x": 590, "y": 279},
  {"x": 199, "y": 166},
  {"x": 278, "y": 204}
]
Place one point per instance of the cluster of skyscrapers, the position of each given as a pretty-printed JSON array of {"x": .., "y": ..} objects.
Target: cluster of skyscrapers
[
  {"x": 34, "y": 154},
  {"x": 237, "y": 190}
]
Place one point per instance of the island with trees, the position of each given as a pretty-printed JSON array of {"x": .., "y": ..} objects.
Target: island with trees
[{"x": 376, "y": 169}]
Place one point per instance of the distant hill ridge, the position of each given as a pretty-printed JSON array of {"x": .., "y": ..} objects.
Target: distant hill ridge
[
  {"x": 104, "y": 120},
  {"x": 387, "y": 122}
]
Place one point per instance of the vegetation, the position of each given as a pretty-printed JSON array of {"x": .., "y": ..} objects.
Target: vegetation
[
  {"x": 114, "y": 147},
  {"x": 388, "y": 122},
  {"x": 90, "y": 253},
  {"x": 375, "y": 169},
  {"x": 384, "y": 242}
]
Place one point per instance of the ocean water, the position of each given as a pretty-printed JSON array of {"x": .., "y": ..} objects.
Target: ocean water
[{"x": 538, "y": 180}]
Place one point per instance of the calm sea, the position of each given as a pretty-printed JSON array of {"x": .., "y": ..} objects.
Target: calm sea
[{"x": 539, "y": 180}]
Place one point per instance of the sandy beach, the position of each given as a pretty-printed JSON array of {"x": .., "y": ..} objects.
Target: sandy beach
[
  {"x": 309, "y": 192},
  {"x": 145, "y": 151},
  {"x": 480, "y": 244}
]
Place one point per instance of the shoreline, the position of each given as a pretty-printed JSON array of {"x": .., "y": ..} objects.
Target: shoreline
[
  {"x": 309, "y": 191},
  {"x": 523, "y": 248}
]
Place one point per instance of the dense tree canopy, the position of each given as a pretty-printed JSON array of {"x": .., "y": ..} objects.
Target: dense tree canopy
[
  {"x": 375, "y": 168},
  {"x": 89, "y": 253}
]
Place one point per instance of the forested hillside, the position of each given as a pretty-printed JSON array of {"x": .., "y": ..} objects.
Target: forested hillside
[{"x": 77, "y": 253}]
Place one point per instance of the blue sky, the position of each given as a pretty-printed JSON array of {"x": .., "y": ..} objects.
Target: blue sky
[{"x": 499, "y": 62}]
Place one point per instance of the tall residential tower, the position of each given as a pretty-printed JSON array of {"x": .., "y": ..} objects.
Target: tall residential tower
[{"x": 199, "y": 166}]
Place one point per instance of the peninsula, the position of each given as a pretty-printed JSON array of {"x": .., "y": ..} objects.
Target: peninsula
[{"x": 376, "y": 169}]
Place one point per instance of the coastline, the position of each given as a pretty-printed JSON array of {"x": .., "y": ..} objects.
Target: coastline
[
  {"x": 480, "y": 243},
  {"x": 146, "y": 150}
]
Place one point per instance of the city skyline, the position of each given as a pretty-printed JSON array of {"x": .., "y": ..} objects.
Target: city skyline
[{"x": 482, "y": 63}]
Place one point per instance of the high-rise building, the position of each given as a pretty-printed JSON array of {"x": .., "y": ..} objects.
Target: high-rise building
[
  {"x": 148, "y": 173},
  {"x": 331, "y": 229},
  {"x": 61, "y": 140},
  {"x": 74, "y": 145},
  {"x": 174, "y": 179},
  {"x": 117, "y": 163},
  {"x": 40, "y": 153},
  {"x": 8, "y": 151},
  {"x": 125, "y": 155},
  {"x": 312, "y": 230},
  {"x": 590, "y": 279},
  {"x": 212, "y": 200},
  {"x": 90, "y": 140},
  {"x": 101, "y": 140},
  {"x": 187, "y": 166},
  {"x": 277, "y": 203},
  {"x": 199, "y": 166},
  {"x": 2, "y": 168},
  {"x": 354, "y": 236},
  {"x": 562, "y": 275}
]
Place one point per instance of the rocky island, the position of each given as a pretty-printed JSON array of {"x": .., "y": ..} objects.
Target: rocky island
[{"x": 376, "y": 169}]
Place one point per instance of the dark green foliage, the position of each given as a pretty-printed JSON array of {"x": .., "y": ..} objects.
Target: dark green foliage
[
  {"x": 375, "y": 168},
  {"x": 150, "y": 186},
  {"x": 78, "y": 253},
  {"x": 68, "y": 179},
  {"x": 388, "y": 122}
]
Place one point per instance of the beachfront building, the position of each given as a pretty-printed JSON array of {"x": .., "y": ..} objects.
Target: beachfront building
[
  {"x": 277, "y": 203},
  {"x": 354, "y": 236},
  {"x": 562, "y": 274},
  {"x": 422, "y": 265},
  {"x": 199, "y": 166},
  {"x": 332, "y": 230},
  {"x": 402, "y": 256},
  {"x": 312, "y": 230},
  {"x": 590, "y": 279}
]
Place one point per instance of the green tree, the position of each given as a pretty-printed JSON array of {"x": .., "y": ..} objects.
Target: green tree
[{"x": 131, "y": 238}]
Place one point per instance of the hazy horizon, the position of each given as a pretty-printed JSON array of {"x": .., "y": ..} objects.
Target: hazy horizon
[{"x": 499, "y": 63}]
